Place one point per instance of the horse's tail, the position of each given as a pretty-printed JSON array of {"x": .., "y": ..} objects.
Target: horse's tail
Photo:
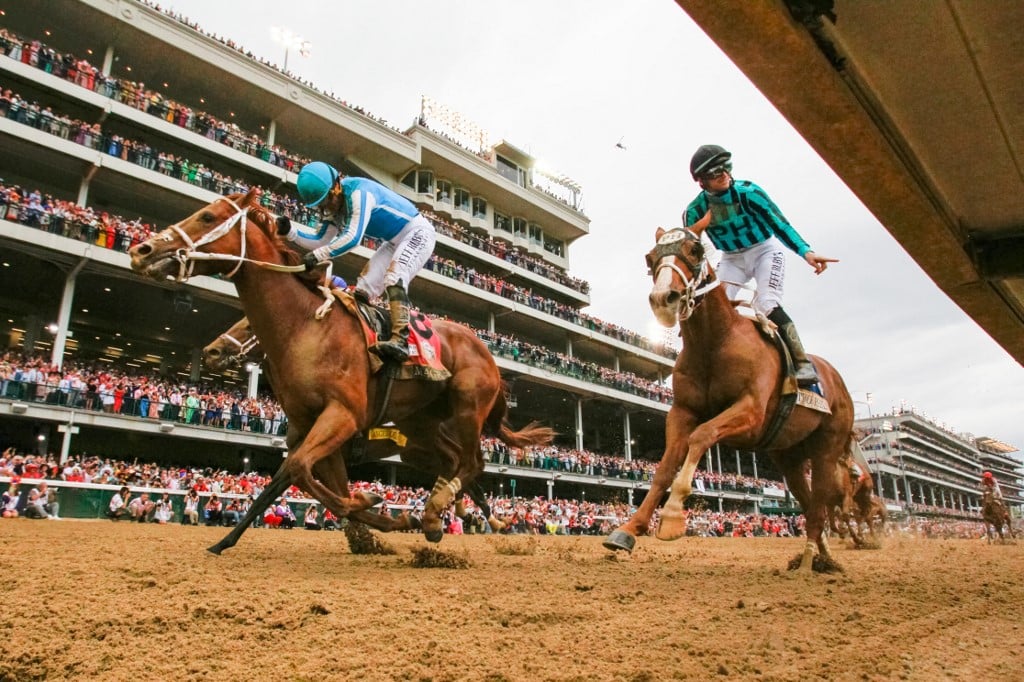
[{"x": 497, "y": 425}]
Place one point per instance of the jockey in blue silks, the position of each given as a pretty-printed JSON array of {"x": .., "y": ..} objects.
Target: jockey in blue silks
[{"x": 353, "y": 208}]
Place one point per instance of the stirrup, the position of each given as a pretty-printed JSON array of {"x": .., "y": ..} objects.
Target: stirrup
[
  {"x": 806, "y": 375},
  {"x": 391, "y": 350}
]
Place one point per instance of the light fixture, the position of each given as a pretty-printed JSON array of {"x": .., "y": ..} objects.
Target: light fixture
[
  {"x": 19, "y": 408},
  {"x": 166, "y": 427},
  {"x": 277, "y": 443}
]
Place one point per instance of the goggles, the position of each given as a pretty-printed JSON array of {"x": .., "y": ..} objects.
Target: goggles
[{"x": 716, "y": 172}]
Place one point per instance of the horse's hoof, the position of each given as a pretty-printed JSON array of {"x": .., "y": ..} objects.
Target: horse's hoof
[
  {"x": 372, "y": 499},
  {"x": 619, "y": 540},
  {"x": 433, "y": 535},
  {"x": 415, "y": 523},
  {"x": 215, "y": 549},
  {"x": 672, "y": 526}
]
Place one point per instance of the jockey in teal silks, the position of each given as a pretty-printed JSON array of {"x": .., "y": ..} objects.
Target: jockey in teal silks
[
  {"x": 353, "y": 208},
  {"x": 751, "y": 232}
]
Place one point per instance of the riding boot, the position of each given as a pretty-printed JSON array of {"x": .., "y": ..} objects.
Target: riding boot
[
  {"x": 397, "y": 347},
  {"x": 805, "y": 372}
]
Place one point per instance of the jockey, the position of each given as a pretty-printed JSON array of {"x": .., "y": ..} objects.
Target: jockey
[
  {"x": 751, "y": 231},
  {"x": 990, "y": 486},
  {"x": 351, "y": 208}
]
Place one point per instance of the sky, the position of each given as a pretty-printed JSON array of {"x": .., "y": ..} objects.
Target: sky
[{"x": 566, "y": 81}]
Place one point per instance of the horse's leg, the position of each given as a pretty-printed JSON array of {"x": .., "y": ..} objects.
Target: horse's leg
[
  {"x": 274, "y": 489},
  {"x": 476, "y": 493},
  {"x": 678, "y": 426},
  {"x": 332, "y": 429},
  {"x": 737, "y": 418}
]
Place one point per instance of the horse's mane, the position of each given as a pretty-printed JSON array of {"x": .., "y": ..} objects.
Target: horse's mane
[{"x": 264, "y": 219}]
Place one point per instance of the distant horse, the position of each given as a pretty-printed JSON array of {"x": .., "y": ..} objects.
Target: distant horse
[
  {"x": 329, "y": 392},
  {"x": 727, "y": 384},
  {"x": 995, "y": 515},
  {"x": 860, "y": 508},
  {"x": 239, "y": 343}
]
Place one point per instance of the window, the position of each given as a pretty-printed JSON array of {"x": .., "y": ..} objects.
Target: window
[
  {"x": 519, "y": 227},
  {"x": 444, "y": 191},
  {"x": 554, "y": 246},
  {"x": 462, "y": 202},
  {"x": 410, "y": 179},
  {"x": 502, "y": 222},
  {"x": 536, "y": 235},
  {"x": 425, "y": 182},
  {"x": 507, "y": 169},
  {"x": 479, "y": 207}
]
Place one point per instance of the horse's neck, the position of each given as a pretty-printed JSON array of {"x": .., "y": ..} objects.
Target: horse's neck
[
  {"x": 278, "y": 305},
  {"x": 711, "y": 323}
]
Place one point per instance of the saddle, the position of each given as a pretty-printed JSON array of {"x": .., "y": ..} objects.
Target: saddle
[{"x": 424, "y": 361}]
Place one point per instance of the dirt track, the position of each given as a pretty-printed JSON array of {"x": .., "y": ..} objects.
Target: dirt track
[{"x": 99, "y": 600}]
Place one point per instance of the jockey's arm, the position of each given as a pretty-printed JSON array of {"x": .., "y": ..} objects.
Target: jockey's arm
[{"x": 361, "y": 205}]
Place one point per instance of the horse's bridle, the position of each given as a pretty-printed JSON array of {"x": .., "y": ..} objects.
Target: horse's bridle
[
  {"x": 666, "y": 252},
  {"x": 243, "y": 346},
  {"x": 187, "y": 255}
]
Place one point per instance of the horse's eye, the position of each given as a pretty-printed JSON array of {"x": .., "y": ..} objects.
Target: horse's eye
[{"x": 207, "y": 217}]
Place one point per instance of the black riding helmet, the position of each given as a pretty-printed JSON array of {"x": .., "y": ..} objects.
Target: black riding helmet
[{"x": 707, "y": 157}]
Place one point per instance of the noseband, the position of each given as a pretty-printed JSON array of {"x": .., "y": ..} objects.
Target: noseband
[
  {"x": 667, "y": 251},
  {"x": 243, "y": 346}
]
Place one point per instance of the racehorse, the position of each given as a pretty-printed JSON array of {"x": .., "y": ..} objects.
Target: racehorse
[
  {"x": 996, "y": 515},
  {"x": 330, "y": 393},
  {"x": 727, "y": 383},
  {"x": 860, "y": 508},
  {"x": 240, "y": 343}
]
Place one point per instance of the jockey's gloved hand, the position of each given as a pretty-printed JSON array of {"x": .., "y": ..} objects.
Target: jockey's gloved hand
[
  {"x": 284, "y": 226},
  {"x": 314, "y": 258}
]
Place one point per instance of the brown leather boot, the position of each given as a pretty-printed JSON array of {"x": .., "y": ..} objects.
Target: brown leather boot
[{"x": 397, "y": 347}]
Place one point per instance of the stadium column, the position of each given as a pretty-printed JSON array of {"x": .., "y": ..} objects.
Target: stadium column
[
  {"x": 83, "y": 186},
  {"x": 627, "y": 437},
  {"x": 579, "y": 423},
  {"x": 271, "y": 132},
  {"x": 197, "y": 365},
  {"x": 253, "y": 368},
  {"x": 753, "y": 459},
  {"x": 64, "y": 314}
]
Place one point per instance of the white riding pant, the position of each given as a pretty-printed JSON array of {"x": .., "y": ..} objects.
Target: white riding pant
[
  {"x": 765, "y": 263},
  {"x": 400, "y": 259}
]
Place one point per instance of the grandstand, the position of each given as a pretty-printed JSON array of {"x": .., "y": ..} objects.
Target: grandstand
[{"x": 119, "y": 118}]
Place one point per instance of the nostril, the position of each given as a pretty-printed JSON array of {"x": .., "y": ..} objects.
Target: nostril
[
  {"x": 143, "y": 249},
  {"x": 672, "y": 298}
]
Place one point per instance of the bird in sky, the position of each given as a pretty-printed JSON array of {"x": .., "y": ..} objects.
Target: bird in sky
[{"x": 620, "y": 145}]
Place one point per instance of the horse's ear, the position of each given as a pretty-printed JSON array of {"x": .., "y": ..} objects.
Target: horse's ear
[
  {"x": 250, "y": 198},
  {"x": 658, "y": 233},
  {"x": 702, "y": 224}
]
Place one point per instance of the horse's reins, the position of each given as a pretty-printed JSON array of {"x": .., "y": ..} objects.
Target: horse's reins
[
  {"x": 187, "y": 256},
  {"x": 695, "y": 287}
]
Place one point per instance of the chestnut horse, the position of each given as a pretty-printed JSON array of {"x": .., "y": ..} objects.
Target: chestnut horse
[
  {"x": 239, "y": 343},
  {"x": 329, "y": 392},
  {"x": 727, "y": 383},
  {"x": 996, "y": 515}
]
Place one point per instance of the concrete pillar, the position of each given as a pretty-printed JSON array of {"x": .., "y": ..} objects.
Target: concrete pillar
[
  {"x": 64, "y": 314},
  {"x": 579, "y": 423},
  {"x": 627, "y": 436},
  {"x": 197, "y": 365},
  {"x": 253, "y": 368},
  {"x": 271, "y": 132}
]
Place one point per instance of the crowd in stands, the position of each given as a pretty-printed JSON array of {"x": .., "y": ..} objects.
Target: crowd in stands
[
  {"x": 91, "y": 135},
  {"x": 134, "y": 94},
  {"x": 111, "y": 390},
  {"x": 500, "y": 249},
  {"x": 221, "y": 498},
  {"x": 539, "y": 356}
]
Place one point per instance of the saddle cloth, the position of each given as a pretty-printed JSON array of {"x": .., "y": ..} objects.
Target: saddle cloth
[{"x": 424, "y": 345}]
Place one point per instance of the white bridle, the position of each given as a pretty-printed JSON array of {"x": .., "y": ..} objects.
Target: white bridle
[
  {"x": 695, "y": 287},
  {"x": 187, "y": 256},
  {"x": 243, "y": 346}
]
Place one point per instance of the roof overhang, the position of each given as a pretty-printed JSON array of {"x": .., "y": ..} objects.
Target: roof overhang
[{"x": 919, "y": 108}]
